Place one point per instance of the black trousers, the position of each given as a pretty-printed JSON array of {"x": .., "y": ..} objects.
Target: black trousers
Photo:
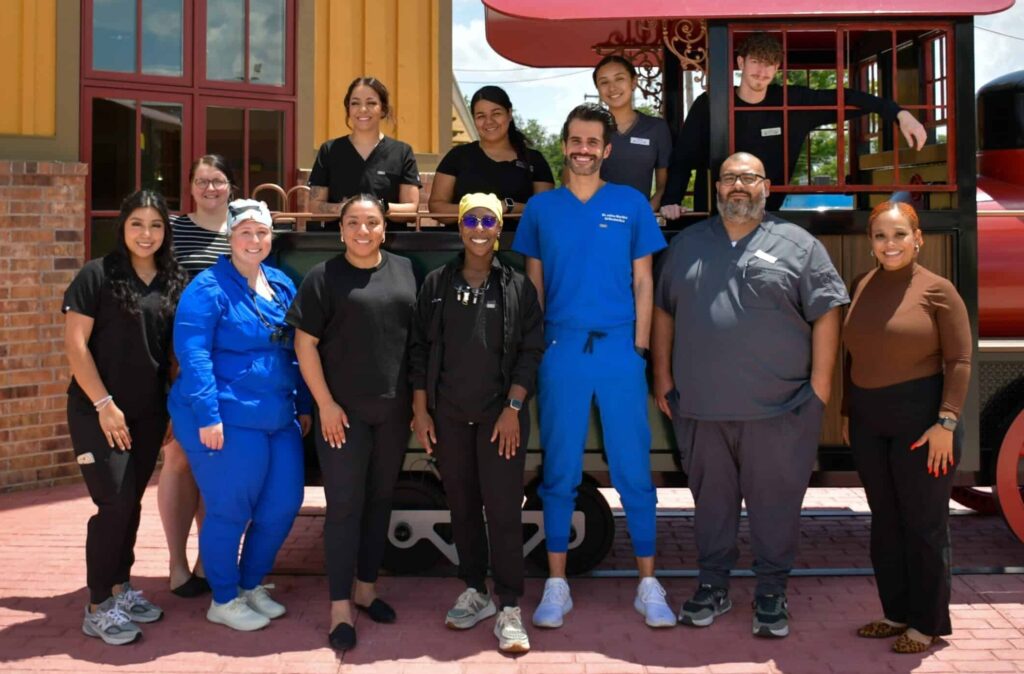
[
  {"x": 116, "y": 481},
  {"x": 476, "y": 479},
  {"x": 910, "y": 547},
  {"x": 359, "y": 481}
]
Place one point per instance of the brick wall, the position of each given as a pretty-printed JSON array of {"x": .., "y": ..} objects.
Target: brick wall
[{"x": 42, "y": 229}]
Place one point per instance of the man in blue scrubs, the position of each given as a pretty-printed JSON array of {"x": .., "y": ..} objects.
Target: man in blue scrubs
[{"x": 588, "y": 249}]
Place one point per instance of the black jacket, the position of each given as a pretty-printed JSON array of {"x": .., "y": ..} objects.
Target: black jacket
[{"x": 523, "y": 330}]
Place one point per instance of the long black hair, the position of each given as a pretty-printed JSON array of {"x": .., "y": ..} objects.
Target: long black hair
[
  {"x": 498, "y": 96},
  {"x": 119, "y": 263}
]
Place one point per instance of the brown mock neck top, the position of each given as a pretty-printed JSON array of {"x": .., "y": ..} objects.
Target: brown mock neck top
[{"x": 908, "y": 324}]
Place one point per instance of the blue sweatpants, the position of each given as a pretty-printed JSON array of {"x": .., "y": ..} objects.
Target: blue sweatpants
[
  {"x": 578, "y": 366},
  {"x": 253, "y": 486}
]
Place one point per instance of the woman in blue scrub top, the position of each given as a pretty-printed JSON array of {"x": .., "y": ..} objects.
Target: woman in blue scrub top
[{"x": 239, "y": 410}]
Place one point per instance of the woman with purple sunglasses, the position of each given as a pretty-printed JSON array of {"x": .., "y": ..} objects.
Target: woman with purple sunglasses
[{"x": 477, "y": 339}]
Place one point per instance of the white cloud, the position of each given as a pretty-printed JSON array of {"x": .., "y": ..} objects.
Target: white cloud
[{"x": 996, "y": 55}]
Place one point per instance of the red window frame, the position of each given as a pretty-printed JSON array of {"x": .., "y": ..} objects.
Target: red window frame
[
  {"x": 841, "y": 32},
  {"x": 936, "y": 73}
]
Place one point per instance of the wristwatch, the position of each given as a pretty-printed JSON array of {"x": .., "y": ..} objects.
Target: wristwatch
[
  {"x": 640, "y": 351},
  {"x": 510, "y": 203},
  {"x": 514, "y": 404},
  {"x": 949, "y": 423}
]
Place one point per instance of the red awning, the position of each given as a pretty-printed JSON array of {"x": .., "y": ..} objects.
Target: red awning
[{"x": 549, "y": 33}]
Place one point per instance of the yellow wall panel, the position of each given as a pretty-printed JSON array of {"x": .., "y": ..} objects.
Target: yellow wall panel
[
  {"x": 28, "y": 42},
  {"x": 396, "y": 41}
]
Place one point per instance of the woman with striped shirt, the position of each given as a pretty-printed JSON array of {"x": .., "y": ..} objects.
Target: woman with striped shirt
[{"x": 199, "y": 239}]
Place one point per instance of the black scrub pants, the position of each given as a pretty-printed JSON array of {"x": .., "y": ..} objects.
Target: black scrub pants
[
  {"x": 476, "y": 478},
  {"x": 910, "y": 547},
  {"x": 116, "y": 481},
  {"x": 359, "y": 481}
]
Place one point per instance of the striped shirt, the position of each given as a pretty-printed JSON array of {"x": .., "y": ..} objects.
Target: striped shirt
[{"x": 196, "y": 248}]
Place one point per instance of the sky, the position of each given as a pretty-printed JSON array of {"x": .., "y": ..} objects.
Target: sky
[{"x": 547, "y": 94}]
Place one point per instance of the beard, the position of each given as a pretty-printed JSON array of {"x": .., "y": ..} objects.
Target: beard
[
  {"x": 749, "y": 209},
  {"x": 577, "y": 170}
]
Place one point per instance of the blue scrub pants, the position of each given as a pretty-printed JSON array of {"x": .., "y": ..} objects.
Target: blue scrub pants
[
  {"x": 253, "y": 486},
  {"x": 578, "y": 366}
]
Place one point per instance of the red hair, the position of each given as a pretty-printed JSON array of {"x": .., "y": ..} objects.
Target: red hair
[{"x": 904, "y": 209}]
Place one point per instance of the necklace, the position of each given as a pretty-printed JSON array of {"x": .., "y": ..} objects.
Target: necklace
[{"x": 467, "y": 294}]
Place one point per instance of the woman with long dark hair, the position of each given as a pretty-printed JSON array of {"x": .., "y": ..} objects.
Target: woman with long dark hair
[
  {"x": 365, "y": 161},
  {"x": 500, "y": 163},
  {"x": 119, "y": 312},
  {"x": 200, "y": 237}
]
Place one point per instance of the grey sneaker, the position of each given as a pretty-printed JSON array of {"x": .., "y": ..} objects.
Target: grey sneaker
[
  {"x": 510, "y": 631},
  {"x": 138, "y": 608},
  {"x": 110, "y": 623},
  {"x": 707, "y": 603},
  {"x": 470, "y": 608},
  {"x": 771, "y": 615}
]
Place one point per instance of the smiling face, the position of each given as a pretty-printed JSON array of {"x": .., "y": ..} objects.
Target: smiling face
[
  {"x": 894, "y": 240},
  {"x": 479, "y": 240},
  {"x": 739, "y": 201},
  {"x": 250, "y": 242},
  {"x": 491, "y": 120},
  {"x": 584, "y": 147},
  {"x": 362, "y": 230},
  {"x": 210, "y": 188},
  {"x": 756, "y": 73},
  {"x": 364, "y": 109},
  {"x": 615, "y": 85},
  {"x": 144, "y": 232}
]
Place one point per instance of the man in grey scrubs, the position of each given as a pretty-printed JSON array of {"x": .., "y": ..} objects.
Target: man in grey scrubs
[{"x": 744, "y": 340}]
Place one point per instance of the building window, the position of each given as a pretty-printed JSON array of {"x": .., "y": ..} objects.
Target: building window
[
  {"x": 115, "y": 32},
  {"x": 245, "y": 42}
]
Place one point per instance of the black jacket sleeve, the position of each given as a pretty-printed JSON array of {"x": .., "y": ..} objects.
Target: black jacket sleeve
[
  {"x": 690, "y": 152},
  {"x": 419, "y": 333},
  {"x": 531, "y": 344},
  {"x": 864, "y": 102}
]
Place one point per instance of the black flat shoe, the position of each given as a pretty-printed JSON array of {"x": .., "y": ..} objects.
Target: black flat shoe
[
  {"x": 342, "y": 637},
  {"x": 193, "y": 587},
  {"x": 379, "y": 611}
]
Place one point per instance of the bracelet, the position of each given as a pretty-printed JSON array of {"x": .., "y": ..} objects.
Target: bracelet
[{"x": 103, "y": 402}]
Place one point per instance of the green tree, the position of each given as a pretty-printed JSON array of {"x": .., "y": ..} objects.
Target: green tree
[{"x": 548, "y": 144}]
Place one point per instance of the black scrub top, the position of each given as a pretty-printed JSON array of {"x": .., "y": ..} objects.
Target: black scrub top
[
  {"x": 342, "y": 170},
  {"x": 362, "y": 319},
  {"x": 131, "y": 352},
  {"x": 474, "y": 171}
]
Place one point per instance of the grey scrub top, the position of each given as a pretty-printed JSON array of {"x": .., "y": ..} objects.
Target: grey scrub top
[
  {"x": 637, "y": 152},
  {"x": 743, "y": 315}
]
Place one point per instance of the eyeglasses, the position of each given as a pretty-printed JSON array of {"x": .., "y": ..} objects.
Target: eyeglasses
[
  {"x": 745, "y": 178},
  {"x": 470, "y": 221},
  {"x": 216, "y": 183}
]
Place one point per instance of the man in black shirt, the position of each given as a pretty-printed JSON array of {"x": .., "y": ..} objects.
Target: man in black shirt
[{"x": 760, "y": 132}]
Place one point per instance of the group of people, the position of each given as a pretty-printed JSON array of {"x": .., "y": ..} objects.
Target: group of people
[{"x": 740, "y": 318}]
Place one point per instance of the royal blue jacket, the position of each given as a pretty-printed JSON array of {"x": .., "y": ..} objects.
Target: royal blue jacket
[{"x": 231, "y": 371}]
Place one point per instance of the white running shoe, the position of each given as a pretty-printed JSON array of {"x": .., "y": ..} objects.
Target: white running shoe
[
  {"x": 259, "y": 600},
  {"x": 237, "y": 615},
  {"x": 470, "y": 608},
  {"x": 510, "y": 631},
  {"x": 556, "y": 602},
  {"x": 650, "y": 603}
]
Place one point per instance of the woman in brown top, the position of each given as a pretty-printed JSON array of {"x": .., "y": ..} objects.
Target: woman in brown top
[{"x": 909, "y": 360}]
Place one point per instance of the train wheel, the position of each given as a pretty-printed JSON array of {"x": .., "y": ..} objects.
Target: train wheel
[
  {"x": 415, "y": 491},
  {"x": 981, "y": 502},
  {"x": 1007, "y": 488},
  {"x": 599, "y": 529}
]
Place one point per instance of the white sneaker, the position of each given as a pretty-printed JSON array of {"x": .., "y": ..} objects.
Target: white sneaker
[
  {"x": 650, "y": 603},
  {"x": 470, "y": 608},
  {"x": 237, "y": 615},
  {"x": 510, "y": 631},
  {"x": 259, "y": 600},
  {"x": 556, "y": 602}
]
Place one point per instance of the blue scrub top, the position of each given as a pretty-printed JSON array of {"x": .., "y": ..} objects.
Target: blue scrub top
[{"x": 587, "y": 252}]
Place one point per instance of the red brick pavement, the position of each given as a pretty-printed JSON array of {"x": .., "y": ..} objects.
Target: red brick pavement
[{"x": 42, "y": 594}]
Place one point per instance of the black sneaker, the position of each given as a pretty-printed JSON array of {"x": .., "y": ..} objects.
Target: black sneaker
[
  {"x": 707, "y": 603},
  {"x": 771, "y": 615}
]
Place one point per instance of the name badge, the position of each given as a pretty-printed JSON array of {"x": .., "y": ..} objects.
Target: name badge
[
  {"x": 761, "y": 255},
  {"x": 639, "y": 141},
  {"x": 771, "y": 131},
  {"x": 381, "y": 173},
  {"x": 491, "y": 305}
]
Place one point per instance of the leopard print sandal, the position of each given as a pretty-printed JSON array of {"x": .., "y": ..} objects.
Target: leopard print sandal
[
  {"x": 880, "y": 629},
  {"x": 908, "y": 645}
]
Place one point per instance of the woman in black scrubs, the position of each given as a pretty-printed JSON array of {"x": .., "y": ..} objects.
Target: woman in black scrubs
[
  {"x": 365, "y": 161},
  {"x": 119, "y": 312},
  {"x": 352, "y": 316},
  {"x": 476, "y": 344},
  {"x": 499, "y": 163}
]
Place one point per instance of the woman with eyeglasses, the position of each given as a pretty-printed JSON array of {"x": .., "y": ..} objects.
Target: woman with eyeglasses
[
  {"x": 500, "y": 162},
  {"x": 642, "y": 145},
  {"x": 200, "y": 237},
  {"x": 352, "y": 316},
  {"x": 239, "y": 410},
  {"x": 365, "y": 161},
  {"x": 476, "y": 345}
]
